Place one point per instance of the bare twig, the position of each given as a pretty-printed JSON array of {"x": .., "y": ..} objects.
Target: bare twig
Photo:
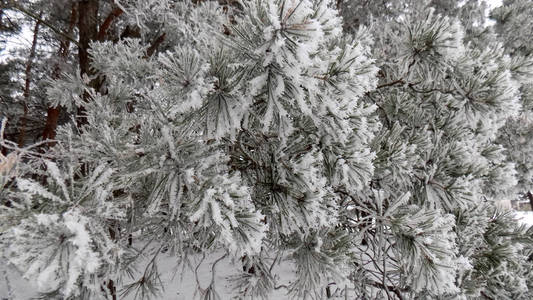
[
  {"x": 392, "y": 288},
  {"x": 399, "y": 81},
  {"x": 281, "y": 286}
]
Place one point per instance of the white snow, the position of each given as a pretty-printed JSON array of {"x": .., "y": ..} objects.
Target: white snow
[
  {"x": 179, "y": 282},
  {"x": 525, "y": 217}
]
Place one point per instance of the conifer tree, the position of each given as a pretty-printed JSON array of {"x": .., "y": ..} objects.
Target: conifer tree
[
  {"x": 358, "y": 151},
  {"x": 513, "y": 26},
  {"x": 440, "y": 97}
]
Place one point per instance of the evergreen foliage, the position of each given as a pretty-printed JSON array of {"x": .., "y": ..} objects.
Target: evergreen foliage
[{"x": 367, "y": 151}]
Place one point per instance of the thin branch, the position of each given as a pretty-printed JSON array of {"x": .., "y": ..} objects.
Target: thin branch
[
  {"x": 281, "y": 286},
  {"x": 26, "y": 151},
  {"x": 486, "y": 296},
  {"x": 196, "y": 272},
  {"x": 431, "y": 181},
  {"x": 391, "y": 288},
  {"x": 44, "y": 22},
  {"x": 153, "y": 47},
  {"x": 399, "y": 81},
  {"x": 273, "y": 263},
  {"x": 115, "y": 13},
  {"x": 213, "y": 268},
  {"x": 384, "y": 277}
]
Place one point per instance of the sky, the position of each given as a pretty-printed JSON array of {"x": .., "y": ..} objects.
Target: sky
[{"x": 494, "y": 3}]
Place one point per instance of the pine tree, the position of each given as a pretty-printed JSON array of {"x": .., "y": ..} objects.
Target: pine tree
[
  {"x": 513, "y": 25},
  {"x": 356, "y": 151},
  {"x": 442, "y": 102}
]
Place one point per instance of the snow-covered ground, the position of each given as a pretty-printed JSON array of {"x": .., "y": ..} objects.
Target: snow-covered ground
[{"x": 180, "y": 283}]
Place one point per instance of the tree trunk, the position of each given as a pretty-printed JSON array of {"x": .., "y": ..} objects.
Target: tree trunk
[
  {"x": 1, "y": 16},
  {"x": 530, "y": 197},
  {"x": 88, "y": 31},
  {"x": 27, "y": 84},
  {"x": 52, "y": 117},
  {"x": 51, "y": 124}
]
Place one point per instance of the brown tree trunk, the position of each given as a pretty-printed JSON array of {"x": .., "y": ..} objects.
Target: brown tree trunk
[
  {"x": 1, "y": 17},
  {"x": 52, "y": 117},
  {"x": 530, "y": 197},
  {"x": 88, "y": 31},
  {"x": 27, "y": 83},
  {"x": 51, "y": 124}
]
